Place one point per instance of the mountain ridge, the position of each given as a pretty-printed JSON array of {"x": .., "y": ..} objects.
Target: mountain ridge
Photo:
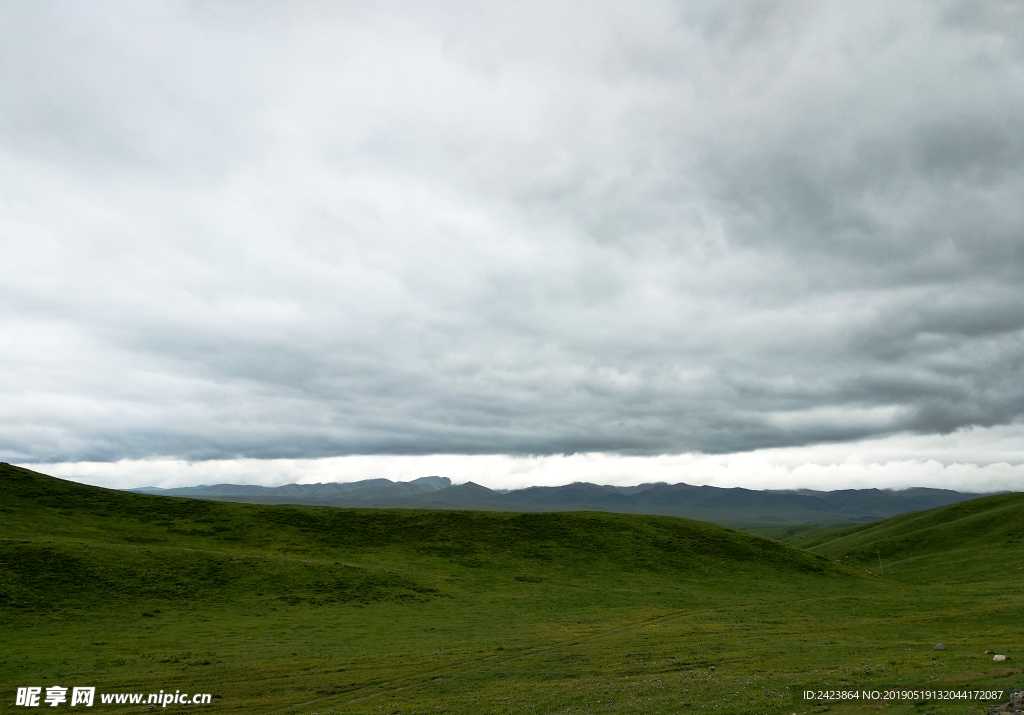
[{"x": 717, "y": 504}]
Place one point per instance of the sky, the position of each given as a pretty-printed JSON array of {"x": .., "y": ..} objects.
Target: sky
[{"x": 767, "y": 244}]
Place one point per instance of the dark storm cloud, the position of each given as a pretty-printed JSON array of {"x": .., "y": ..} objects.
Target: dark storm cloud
[{"x": 301, "y": 230}]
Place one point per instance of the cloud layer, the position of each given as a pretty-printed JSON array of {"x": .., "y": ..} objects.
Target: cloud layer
[
  {"x": 305, "y": 230},
  {"x": 975, "y": 460}
]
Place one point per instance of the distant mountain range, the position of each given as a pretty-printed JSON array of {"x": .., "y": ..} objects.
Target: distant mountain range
[{"x": 715, "y": 504}]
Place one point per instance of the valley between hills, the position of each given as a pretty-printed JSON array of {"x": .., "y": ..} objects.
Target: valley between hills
[{"x": 760, "y": 511}]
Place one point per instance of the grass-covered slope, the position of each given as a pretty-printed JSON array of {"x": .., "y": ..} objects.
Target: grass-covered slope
[
  {"x": 302, "y": 609},
  {"x": 977, "y": 540},
  {"x": 65, "y": 543}
]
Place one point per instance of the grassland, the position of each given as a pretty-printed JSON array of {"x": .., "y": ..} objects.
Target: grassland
[{"x": 282, "y": 609}]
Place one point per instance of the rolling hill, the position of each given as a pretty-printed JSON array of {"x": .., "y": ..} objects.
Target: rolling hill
[
  {"x": 975, "y": 540},
  {"x": 292, "y": 609}
]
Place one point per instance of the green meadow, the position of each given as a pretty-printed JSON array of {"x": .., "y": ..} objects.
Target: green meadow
[{"x": 278, "y": 609}]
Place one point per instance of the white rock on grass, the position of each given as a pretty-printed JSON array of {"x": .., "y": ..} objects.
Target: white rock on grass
[{"x": 998, "y": 658}]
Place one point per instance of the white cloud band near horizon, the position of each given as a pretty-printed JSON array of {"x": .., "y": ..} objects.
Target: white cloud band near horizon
[{"x": 975, "y": 460}]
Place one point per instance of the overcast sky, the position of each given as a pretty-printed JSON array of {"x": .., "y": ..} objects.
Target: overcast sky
[{"x": 293, "y": 233}]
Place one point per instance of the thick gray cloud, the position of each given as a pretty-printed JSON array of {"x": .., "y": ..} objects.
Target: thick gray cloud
[{"x": 313, "y": 229}]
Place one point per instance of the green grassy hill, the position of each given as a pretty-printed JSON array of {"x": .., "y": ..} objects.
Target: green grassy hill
[
  {"x": 978, "y": 540},
  {"x": 302, "y": 610},
  {"x": 66, "y": 543}
]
